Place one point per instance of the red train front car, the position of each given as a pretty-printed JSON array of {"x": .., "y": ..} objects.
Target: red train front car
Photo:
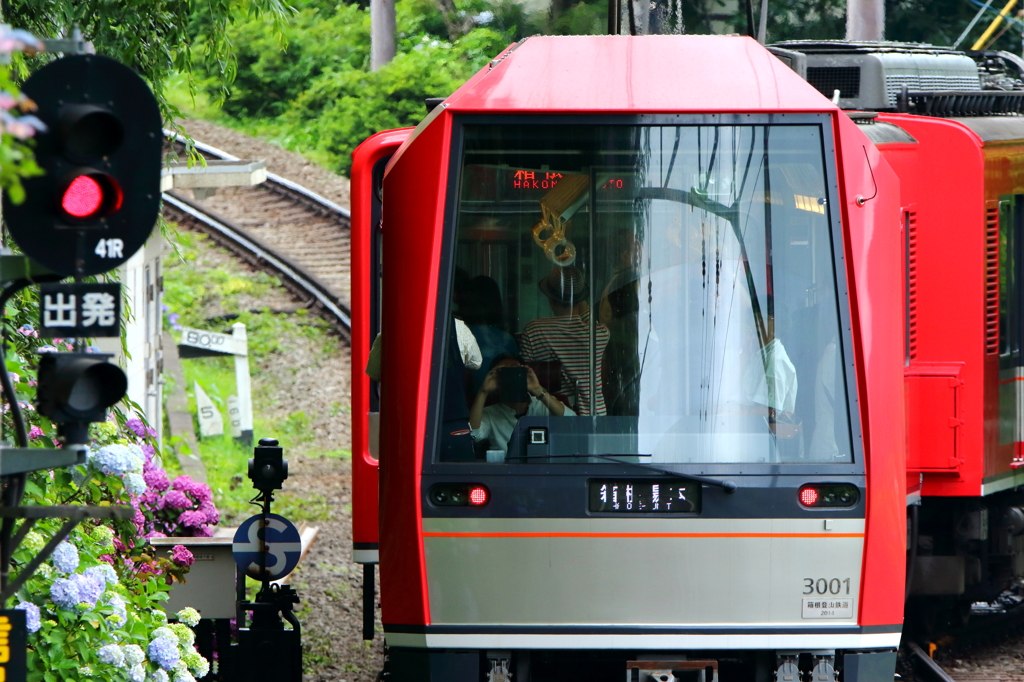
[{"x": 641, "y": 372}]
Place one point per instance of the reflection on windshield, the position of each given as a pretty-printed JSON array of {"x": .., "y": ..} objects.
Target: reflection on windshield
[{"x": 666, "y": 291}]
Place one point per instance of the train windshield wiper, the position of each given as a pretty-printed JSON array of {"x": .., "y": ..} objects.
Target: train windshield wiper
[{"x": 727, "y": 486}]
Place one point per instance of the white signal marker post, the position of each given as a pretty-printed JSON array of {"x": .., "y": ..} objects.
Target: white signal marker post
[
  {"x": 242, "y": 382},
  {"x": 196, "y": 343}
]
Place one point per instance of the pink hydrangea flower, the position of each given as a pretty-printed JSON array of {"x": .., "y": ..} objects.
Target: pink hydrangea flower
[
  {"x": 181, "y": 556},
  {"x": 176, "y": 499}
]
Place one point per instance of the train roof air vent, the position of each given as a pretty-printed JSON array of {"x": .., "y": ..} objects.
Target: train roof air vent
[{"x": 872, "y": 75}]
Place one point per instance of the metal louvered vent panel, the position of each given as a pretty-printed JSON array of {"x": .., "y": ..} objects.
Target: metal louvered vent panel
[
  {"x": 928, "y": 83},
  {"x": 912, "y": 283},
  {"x": 828, "y": 79},
  {"x": 992, "y": 277}
]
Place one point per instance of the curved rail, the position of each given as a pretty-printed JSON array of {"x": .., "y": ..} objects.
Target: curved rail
[
  {"x": 236, "y": 239},
  {"x": 272, "y": 178}
]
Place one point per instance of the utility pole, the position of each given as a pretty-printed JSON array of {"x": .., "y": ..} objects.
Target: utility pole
[
  {"x": 382, "y": 33},
  {"x": 865, "y": 19},
  {"x": 762, "y": 29}
]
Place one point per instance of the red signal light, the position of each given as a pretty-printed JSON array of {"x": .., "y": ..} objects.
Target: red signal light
[
  {"x": 91, "y": 196},
  {"x": 808, "y": 496},
  {"x": 83, "y": 197},
  {"x": 478, "y": 496}
]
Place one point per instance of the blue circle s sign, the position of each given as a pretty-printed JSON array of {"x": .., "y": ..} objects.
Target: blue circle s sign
[{"x": 283, "y": 546}]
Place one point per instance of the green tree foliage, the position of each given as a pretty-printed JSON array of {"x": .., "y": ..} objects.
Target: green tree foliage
[
  {"x": 270, "y": 77},
  {"x": 318, "y": 96},
  {"x": 158, "y": 38},
  {"x": 347, "y": 107}
]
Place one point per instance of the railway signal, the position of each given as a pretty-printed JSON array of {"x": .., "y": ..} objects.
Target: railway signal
[
  {"x": 268, "y": 469},
  {"x": 99, "y": 198},
  {"x": 75, "y": 389}
]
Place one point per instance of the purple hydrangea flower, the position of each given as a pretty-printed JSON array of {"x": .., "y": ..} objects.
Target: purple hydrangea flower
[
  {"x": 212, "y": 515},
  {"x": 199, "y": 491},
  {"x": 164, "y": 652},
  {"x": 157, "y": 479},
  {"x": 176, "y": 499},
  {"x": 32, "y": 621},
  {"x": 155, "y": 534},
  {"x": 64, "y": 593},
  {"x": 181, "y": 556},
  {"x": 204, "y": 532},
  {"x": 137, "y": 427},
  {"x": 65, "y": 557},
  {"x": 36, "y": 432},
  {"x": 192, "y": 519}
]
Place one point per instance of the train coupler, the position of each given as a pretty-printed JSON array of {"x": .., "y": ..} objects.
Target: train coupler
[
  {"x": 671, "y": 671},
  {"x": 501, "y": 663}
]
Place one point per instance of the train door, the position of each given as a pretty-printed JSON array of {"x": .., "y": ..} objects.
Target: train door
[{"x": 368, "y": 163}]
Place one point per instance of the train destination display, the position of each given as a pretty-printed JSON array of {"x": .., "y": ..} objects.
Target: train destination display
[{"x": 644, "y": 496}]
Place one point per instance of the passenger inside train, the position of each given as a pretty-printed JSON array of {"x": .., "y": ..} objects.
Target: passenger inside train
[
  {"x": 519, "y": 394},
  {"x": 715, "y": 335}
]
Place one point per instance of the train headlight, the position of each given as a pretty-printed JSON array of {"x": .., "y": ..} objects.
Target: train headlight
[{"x": 819, "y": 495}]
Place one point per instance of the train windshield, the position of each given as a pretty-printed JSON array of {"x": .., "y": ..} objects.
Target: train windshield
[{"x": 663, "y": 293}]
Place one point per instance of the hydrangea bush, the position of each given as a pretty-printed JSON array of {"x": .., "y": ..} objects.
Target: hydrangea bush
[{"x": 94, "y": 608}]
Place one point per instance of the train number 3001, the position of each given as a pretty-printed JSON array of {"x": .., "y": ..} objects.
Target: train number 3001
[{"x": 826, "y": 586}]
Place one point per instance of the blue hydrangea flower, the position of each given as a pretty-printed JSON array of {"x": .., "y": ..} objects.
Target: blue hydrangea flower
[
  {"x": 120, "y": 615},
  {"x": 90, "y": 588},
  {"x": 137, "y": 673},
  {"x": 111, "y": 654},
  {"x": 164, "y": 652},
  {"x": 185, "y": 676},
  {"x": 104, "y": 572},
  {"x": 64, "y": 593},
  {"x": 32, "y": 622},
  {"x": 116, "y": 459},
  {"x": 138, "y": 458},
  {"x": 65, "y": 557},
  {"x": 189, "y": 616},
  {"x": 135, "y": 484},
  {"x": 85, "y": 671},
  {"x": 157, "y": 676}
]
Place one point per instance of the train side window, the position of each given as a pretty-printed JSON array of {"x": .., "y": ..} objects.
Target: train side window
[
  {"x": 376, "y": 293},
  {"x": 1011, "y": 260}
]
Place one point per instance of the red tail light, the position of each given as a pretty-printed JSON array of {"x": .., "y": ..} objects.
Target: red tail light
[
  {"x": 808, "y": 496},
  {"x": 478, "y": 496}
]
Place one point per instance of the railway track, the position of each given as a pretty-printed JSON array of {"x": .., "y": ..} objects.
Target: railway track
[{"x": 281, "y": 228}]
